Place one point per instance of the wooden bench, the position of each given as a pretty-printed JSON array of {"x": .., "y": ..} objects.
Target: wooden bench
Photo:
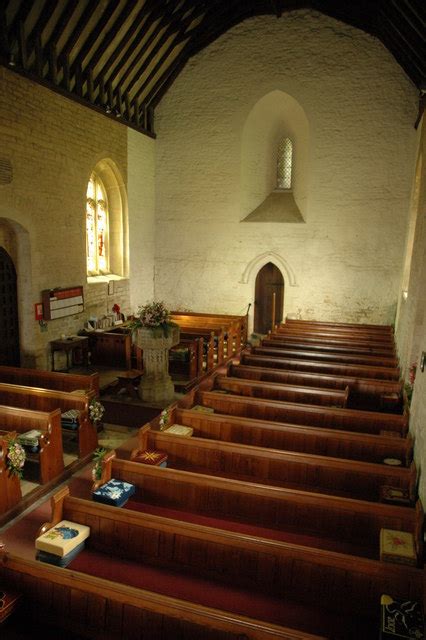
[
  {"x": 49, "y": 379},
  {"x": 315, "y": 366},
  {"x": 209, "y": 345},
  {"x": 186, "y": 358},
  {"x": 235, "y": 327},
  {"x": 364, "y": 393},
  {"x": 50, "y": 454},
  {"x": 216, "y": 332},
  {"x": 103, "y": 608},
  {"x": 111, "y": 348},
  {"x": 10, "y": 485},
  {"x": 308, "y": 415},
  {"x": 47, "y": 401},
  {"x": 293, "y": 437},
  {"x": 278, "y": 391},
  {"x": 379, "y": 361},
  {"x": 160, "y": 548},
  {"x": 322, "y": 521},
  {"x": 307, "y": 472},
  {"x": 291, "y": 335},
  {"x": 276, "y": 340},
  {"x": 352, "y": 327}
]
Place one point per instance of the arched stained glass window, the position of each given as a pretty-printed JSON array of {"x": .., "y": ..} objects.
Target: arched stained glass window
[
  {"x": 284, "y": 163},
  {"x": 97, "y": 227}
]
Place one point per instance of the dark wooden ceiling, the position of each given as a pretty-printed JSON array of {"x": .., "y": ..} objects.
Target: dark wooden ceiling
[{"x": 121, "y": 56}]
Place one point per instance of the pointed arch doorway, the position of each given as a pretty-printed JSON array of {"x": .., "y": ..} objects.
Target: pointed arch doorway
[
  {"x": 9, "y": 322},
  {"x": 269, "y": 280}
]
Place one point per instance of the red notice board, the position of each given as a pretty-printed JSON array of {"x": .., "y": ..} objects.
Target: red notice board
[{"x": 59, "y": 303}]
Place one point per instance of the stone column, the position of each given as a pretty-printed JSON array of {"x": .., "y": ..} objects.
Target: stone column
[{"x": 156, "y": 384}]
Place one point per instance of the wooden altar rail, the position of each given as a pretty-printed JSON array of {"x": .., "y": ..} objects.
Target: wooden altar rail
[
  {"x": 49, "y": 379},
  {"x": 274, "y": 340},
  {"x": 306, "y": 472},
  {"x": 312, "y": 577},
  {"x": 343, "y": 358},
  {"x": 364, "y": 393},
  {"x": 334, "y": 368},
  {"x": 307, "y": 415},
  {"x": 318, "y": 520},
  {"x": 10, "y": 485},
  {"x": 50, "y": 454},
  {"x": 276, "y": 391},
  {"x": 46, "y": 400},
  {"x": 292, "y": 437}
]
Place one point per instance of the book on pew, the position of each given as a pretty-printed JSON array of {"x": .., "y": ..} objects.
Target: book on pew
[
  {"x": 179, "y": 430},
  {"x": 30, "y": 439},
  {"x": 61, "y": 539},
  {"x": 114, "y": 492},
  {"x": 70, "y": 418},
  {"x": 401, "y": 619},
  {"x": 59, "y": 561}
]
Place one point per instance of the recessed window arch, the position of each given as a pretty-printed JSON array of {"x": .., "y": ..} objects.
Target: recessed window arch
[
  {"x": 106, "y": 222},
  {"x": 284, "y": 164}
]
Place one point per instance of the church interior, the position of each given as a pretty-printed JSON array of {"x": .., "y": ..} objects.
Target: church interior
[{"x": 212, "y": 232}]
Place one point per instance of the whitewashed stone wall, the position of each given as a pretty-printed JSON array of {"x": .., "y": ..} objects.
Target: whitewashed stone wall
[
  {"x": 411, "y": 328},
  {"x": 53, "y": 144},
  {"x": 345, "y": 260}
]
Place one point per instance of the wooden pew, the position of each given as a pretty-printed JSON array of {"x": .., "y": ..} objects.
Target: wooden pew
[
  {"x": 186, "y": 358},
  {"x": 327, "y": 347},
  {"x": 274, "y": 391},
  {"x": 364, "y": 393},
  {"x": 306, "y": 472},
  {"x": 111, "y": 348},
  {"x": 375, "y": 361},
  {"x": 293, "y": 437},
  {"x": 10, "y": 485},
  {"x": 235, "y": 326},
  {"x": 308, "y": 415},
  {"x": 103, "y": 608},
  {"x": 210, "y": 345},
  {"x": 47, "y": 400},
  {"x": 49, "y": 379},
  {"x": 338, "y": 369},
  {"x": 219, "y": 338},
  {"x": 315, "y": 578},
  {"x": 290, "y": 335},
  {"x": 311, "y": 325},
  {"x": 50, "y": 454},
  {"x": 312, "y": 519}
]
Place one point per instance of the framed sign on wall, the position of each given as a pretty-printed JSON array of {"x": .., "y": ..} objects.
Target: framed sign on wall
[{"x": 59, "y": 303}]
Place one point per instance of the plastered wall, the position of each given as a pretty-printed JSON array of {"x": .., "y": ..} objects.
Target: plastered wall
[
  {"x": 343, "y": 263},
  {"x": 53, "y": 145}
]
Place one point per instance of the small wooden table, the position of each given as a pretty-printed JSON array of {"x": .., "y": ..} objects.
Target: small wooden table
[{"x": 71, "y": 346}]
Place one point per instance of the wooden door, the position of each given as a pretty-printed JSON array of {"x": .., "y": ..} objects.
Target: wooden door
[
  {"x": 9, "y": 324},
  {"x": 269, "y": 280}
]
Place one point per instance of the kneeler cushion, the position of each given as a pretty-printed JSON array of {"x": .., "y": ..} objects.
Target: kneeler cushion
[
  {"x": 153, "y": 457},
  {"x": 59, "y": 561},
  {"x": 114, "y": 492}
]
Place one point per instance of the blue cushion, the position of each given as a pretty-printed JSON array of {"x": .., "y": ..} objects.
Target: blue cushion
[{"x": 114, "y": 492}]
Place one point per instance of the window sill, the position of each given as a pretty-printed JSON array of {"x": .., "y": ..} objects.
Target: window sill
[{"x": 104, "y": 278}]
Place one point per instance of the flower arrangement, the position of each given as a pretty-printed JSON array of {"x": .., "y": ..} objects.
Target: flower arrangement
[
  {"x": 164, "y": 419},
  {"x": 15, "y": 458},
  {"x": 98, "y": 456},
  {"x": 96, "y": 410},
  {"x": 409, "y": 386},
  {"x": 154, "y": 316}
]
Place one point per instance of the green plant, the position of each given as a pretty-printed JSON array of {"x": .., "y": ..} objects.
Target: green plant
[
  {"x": 98, "y": 456},
  {"x": 15, "y": 458},
  {"x": 154, "y": 316},
  {"x": 164, "y": 419}
]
